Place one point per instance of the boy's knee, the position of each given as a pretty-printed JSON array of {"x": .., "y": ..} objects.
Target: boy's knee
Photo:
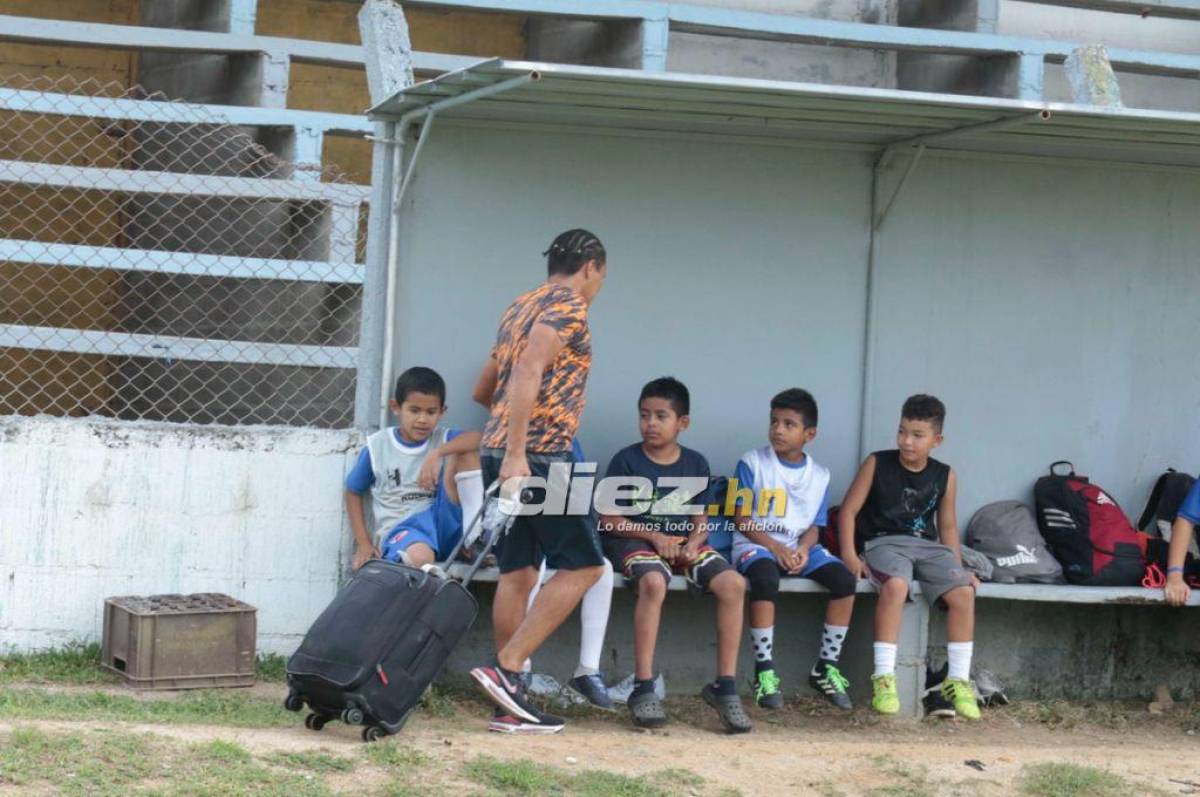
[
  {"x": 894, "y": 589},
  {"x": 467, "y": 460},
  {"x": 652, "y": 587},
  {"x": 959, "y": 598},
  {"x": 763, "y": 577},
  {"x": 418, "y": 555},
  {"x": 840, "y": 582},
  {"x": 728, "y": 586}
]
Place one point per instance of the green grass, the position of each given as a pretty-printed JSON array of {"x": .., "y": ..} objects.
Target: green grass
[
  {"x": 215, "y": 707},
  {"x": 1073, "y": 780},
  {"x": 319, "y": 761},
  {"x": 523, "y": 776},
  {"x": 76, "y": 663},
  {"x": 79, "y": 663}
]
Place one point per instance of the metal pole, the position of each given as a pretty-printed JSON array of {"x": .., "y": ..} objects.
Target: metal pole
[
  {"x": 389, "y": 318},
  {"x": 912, "y": 164},
  {"x": 983, "y": 127},
  {"x": 373, "y": 316},
  {"x": 868, "y": 370}
]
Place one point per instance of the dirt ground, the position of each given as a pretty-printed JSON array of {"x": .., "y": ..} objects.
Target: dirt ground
[{"x": 806, "y": 749}]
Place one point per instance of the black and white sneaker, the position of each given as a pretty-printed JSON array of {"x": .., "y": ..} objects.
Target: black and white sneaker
[
  {"x": 933, "y": 701},
  {"x": 507, "y": 690},
  {"x": 506, "y": 723},
  {"x": 827, "y": 679}
]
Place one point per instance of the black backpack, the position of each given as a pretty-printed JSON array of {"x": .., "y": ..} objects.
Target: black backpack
[
  {"x": 1164, "y": 502},
  {"x": 1087, "y": 532}
]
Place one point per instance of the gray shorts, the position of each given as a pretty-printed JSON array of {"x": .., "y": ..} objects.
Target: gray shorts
[{"x": 931, "y": 563}]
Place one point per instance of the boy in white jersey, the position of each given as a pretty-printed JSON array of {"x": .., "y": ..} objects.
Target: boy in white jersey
[
  {"x": 774, "y": 538},
  {"x": 423, "y": 478}
]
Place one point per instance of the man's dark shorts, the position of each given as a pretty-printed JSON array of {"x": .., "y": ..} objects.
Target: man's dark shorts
[{"x": 568, "y": 542}]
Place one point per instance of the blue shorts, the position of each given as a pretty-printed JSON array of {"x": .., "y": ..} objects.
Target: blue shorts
[
  {"x": 746, "y": 555},
  {"x": 439, "y": 527}
]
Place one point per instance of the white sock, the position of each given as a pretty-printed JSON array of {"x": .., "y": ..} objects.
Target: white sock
[
  {"x": 885, "y": 659},
  {"x": 593, "y": 623},
  {"x": 764, "y": 642},
  {"x": 831, "y": 641},
  {"x": 470, "y": 498},
  {"x": 959, "y": 655}
]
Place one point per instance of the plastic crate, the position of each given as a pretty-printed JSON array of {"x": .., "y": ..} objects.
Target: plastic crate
[{"x": 180, "y": 641}]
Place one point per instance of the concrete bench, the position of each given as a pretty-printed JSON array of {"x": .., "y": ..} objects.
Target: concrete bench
[{"x": 914, "y": 635}]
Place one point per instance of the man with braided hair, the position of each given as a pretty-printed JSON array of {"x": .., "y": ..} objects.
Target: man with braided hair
[{"x": 534, "y": 382}]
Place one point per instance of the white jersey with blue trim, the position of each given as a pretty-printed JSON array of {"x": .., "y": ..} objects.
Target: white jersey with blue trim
[
  {"x": 395, "y": 495},
  {"x": 805, "y": 486}
]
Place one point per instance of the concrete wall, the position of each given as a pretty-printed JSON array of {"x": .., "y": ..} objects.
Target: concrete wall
[
  {"x": 1037, "y": 650},
  {"x": 97, "y": 508},
  {"x": 739, "y": 270},
  {"x": 1051, "y": 306}
]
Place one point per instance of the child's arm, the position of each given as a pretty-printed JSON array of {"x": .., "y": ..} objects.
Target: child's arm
[
  {"x": 695, "y": 539},
  {"x": 852, "y": 504},
  {"x": 752, "y": 530},
  {"x": 462, "y": 444},
  {"x": 359, "y": 482},
  {"x": 666, "y": 545},
  {"x": 485, "y": 385},
  {"x": 364, "y": 547},
  {"x": 1177, "y": 590},
  {"x": 947, "y": 520}
]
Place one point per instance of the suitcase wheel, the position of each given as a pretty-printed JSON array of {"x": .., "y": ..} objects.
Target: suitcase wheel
[
  {"x": 352, "y": 716},
  {"x": 315, "y": 722},
  {"x": 373, "y": 733},
  {"x": 293, "y": 702}
]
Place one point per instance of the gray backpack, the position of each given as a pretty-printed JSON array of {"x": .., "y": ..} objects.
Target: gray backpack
[{"x": 1006, "y": 532}]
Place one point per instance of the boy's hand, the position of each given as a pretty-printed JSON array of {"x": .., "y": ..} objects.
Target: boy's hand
[
  {"x": 788, "y": 559},
  {"x": 430, "y": 468},
  {"x": 854, "y": 565},
  {"x": 975, "y": 582},
  {"x": 689, "y": 552},
  {"x": 668, "y": 546},
  {"x": 1177, "y": 591},
  {"x": 363, "y": 554}
]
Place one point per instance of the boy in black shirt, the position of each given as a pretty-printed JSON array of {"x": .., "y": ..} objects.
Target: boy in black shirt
[
  {"x": 665, "y": 533},
  {"x": 903, "y": 503}
]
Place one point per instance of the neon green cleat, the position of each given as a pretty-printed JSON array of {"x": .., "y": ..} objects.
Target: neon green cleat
[
  {"x": 885, "y": 700},
  {"x": 767, "y": 692},
  {"x": 962, "y": 695}
]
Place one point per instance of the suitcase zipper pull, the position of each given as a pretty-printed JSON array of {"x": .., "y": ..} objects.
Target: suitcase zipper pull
[{"x": 382, "y": 675}]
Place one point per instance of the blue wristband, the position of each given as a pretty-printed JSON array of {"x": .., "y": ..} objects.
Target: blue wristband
[{"x": 1175, "y": 569}]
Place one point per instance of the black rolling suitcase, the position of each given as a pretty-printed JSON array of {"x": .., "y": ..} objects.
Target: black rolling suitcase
[{"x": 370, "y": 655}]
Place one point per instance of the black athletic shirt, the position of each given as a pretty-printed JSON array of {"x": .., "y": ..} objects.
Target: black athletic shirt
[{"x": 903, "y": 502}]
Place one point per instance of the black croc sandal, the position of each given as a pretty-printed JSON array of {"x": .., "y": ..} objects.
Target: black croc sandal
[
  {"x": 647, "y": 710},
  {"x": 729, "y": 709}
]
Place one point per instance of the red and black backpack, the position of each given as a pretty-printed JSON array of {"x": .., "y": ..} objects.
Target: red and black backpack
[{"x": 1087, "y": 532}]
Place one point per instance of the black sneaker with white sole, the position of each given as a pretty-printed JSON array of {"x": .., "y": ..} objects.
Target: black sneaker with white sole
[
  {"x": 933, "y": 701},
  {"x": 507, "y": 690},
  {"x": 506, "y": 723},
  {"x": 827, "y": 679}
]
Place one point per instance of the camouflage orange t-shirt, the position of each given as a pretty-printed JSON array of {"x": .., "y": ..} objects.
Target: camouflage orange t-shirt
[{"x": 559, "y": 403}]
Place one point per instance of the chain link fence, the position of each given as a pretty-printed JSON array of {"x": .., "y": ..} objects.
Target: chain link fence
[{"x": 157, "y": 263}]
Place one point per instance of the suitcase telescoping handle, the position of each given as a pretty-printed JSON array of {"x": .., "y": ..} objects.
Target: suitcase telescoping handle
[{"x": 510, "y": 516}]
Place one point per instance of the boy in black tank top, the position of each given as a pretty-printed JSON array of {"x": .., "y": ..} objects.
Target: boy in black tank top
[{"x": 901, "y": 504}]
